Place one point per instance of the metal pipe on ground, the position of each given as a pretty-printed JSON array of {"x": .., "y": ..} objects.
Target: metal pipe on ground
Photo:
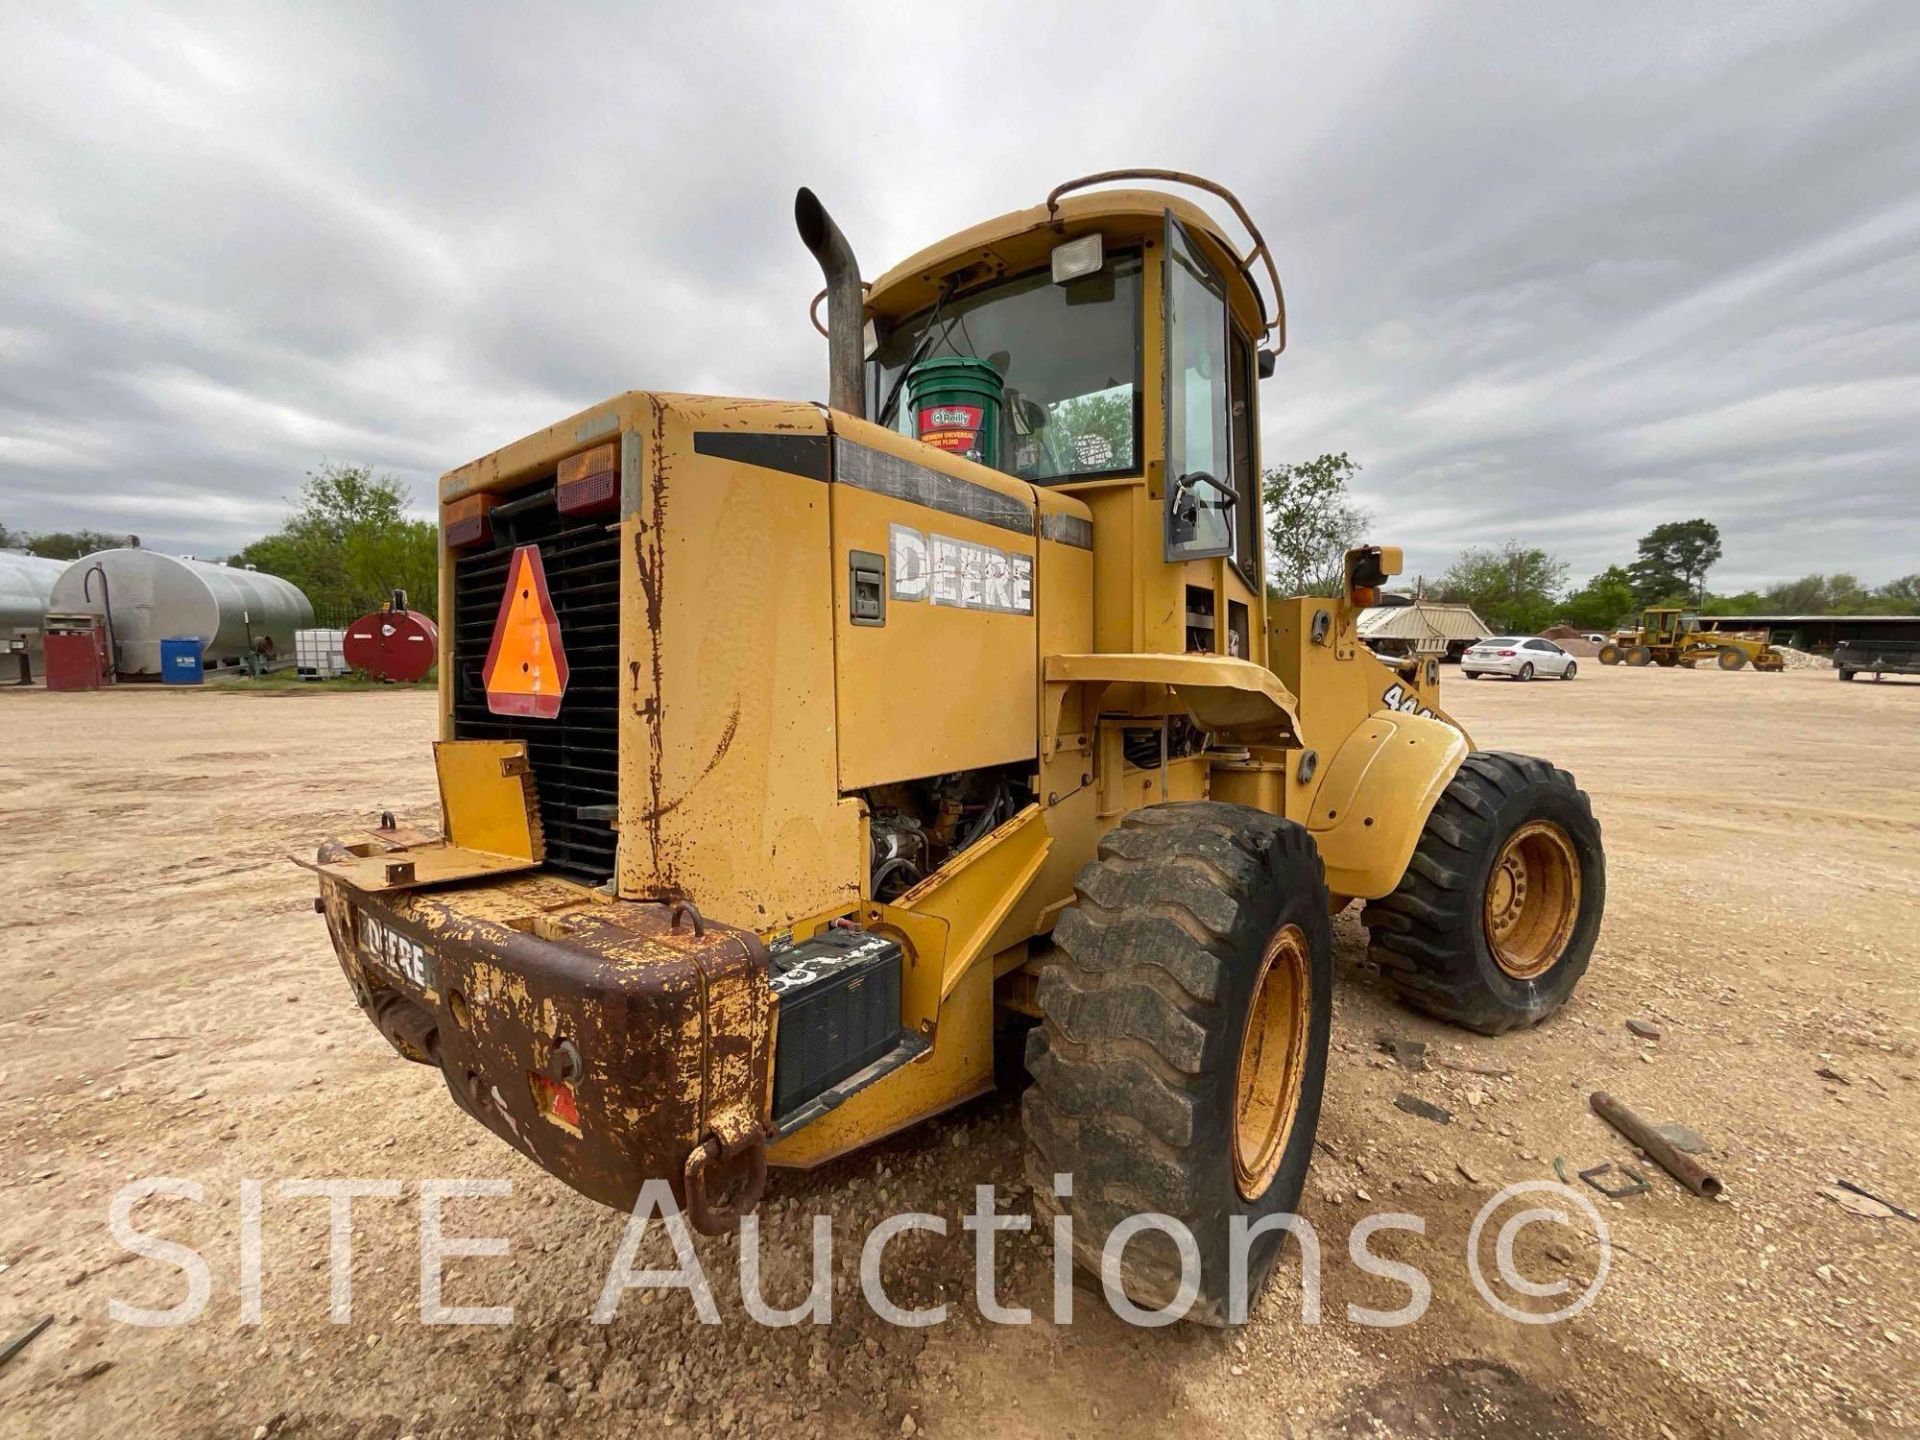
[{"x": 1662, "y": 1151}]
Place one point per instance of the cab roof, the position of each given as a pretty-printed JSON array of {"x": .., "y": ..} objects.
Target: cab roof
[{"x": 1021, "y": 240}]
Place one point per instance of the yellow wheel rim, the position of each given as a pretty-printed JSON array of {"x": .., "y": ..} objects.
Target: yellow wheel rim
[
  {"x": 1273, "y": 1062},
  {"x": 1533, "y": 899}
]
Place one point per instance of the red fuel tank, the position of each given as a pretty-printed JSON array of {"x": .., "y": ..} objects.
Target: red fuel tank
[{"x": 398, "y": 645}]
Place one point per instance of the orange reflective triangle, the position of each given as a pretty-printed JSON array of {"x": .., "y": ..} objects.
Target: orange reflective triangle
[{"x": 526, "y": 669}]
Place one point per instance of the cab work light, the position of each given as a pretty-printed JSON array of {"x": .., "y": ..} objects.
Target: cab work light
[{"x": 1079, "y": 257}]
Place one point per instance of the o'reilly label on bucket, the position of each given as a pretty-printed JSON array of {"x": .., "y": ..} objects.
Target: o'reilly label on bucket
[{"x": 952, "y": 427}]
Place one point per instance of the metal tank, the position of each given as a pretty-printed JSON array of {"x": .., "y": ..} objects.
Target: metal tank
[
  {"x": 148, "y": 597},
  {"x": 26, "y": 581}
]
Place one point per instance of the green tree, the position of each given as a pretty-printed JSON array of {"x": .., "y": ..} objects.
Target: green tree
[
  {"x": 1747, "y": 602},
  {"x": 1674, "y": 560},
  {"x": 1512, "y": 588},
  {"x": 70, "y": 544},
  {"x": 1901, "y": 596},
  {"x": 1828, "y": 595},
  {"x": 350, "y": 544},
  {"x": 1602, "y": 603},
  {"x": 1311, "y": 523}
]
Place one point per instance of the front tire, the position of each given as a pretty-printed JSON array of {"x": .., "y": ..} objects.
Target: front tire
[
  {"x": 1180, "y": 1063},
  {"x": 1572, "y": 669},
  {"x": 1526, "y": 671},
  {"x": 1731, "y": 659},
  {"x": 1610, "y": 654},
  {"x": 1495, "y": 920}
]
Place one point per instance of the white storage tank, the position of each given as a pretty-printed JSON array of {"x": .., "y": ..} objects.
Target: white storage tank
[
  {"x": 320, "y": 654},
  {"x": 26, "y": 584},
  {"x": 148, "y": 597}
]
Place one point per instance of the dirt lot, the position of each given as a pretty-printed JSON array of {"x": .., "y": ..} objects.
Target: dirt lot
[{"x": 169, "y": 1007}]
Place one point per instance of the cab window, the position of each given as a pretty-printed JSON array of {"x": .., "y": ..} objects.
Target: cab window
[
  {"x": 1246, "y": 480},
  {"x": 1200, "y": 464},
  {"x": 1069, "y": 355}
]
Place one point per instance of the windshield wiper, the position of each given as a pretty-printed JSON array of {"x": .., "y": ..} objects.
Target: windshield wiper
[{"x": 918, "y": 353}]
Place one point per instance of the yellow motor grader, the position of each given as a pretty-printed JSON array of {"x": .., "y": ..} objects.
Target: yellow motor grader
[
  {"x": 793, "y": 754},
  {"x": 1669, "y": 636}
]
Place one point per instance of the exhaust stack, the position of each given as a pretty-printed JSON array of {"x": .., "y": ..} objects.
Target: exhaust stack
[{"x": 846, "y": 391}]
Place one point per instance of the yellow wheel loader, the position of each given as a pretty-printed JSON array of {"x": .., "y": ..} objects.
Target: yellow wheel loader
[
  {"x": 791, "y": 755},
  {"x": 1672, "y": 637}
]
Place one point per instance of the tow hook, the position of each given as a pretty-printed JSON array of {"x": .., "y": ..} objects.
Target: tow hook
[{"x": 722, "y": 1219}]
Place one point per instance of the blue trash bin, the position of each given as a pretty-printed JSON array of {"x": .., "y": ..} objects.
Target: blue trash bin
[{"x": 180, "y": 661}]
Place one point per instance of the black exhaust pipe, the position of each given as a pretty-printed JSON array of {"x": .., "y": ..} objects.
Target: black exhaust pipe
[{"x": 846, "y": 303}]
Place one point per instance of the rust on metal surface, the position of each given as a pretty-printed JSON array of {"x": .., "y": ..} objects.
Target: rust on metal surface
[
  {"x": 650, "y": 551},
  {"x": 604, "y": 1039}
]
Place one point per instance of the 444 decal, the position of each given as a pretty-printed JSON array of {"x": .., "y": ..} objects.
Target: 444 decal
[{"x": 1407, "y": 702}]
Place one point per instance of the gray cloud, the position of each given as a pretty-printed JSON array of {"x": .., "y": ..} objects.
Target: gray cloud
[{"x": 1559, "y": 272}]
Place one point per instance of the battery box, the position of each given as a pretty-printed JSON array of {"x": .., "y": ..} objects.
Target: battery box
[{"x": 839, "y": 996}]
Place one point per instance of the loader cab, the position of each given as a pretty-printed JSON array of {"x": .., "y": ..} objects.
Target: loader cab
[{"x": 1128, "y": 334}]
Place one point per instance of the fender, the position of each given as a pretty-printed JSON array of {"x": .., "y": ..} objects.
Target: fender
[{"x": 1376, "y": 795}]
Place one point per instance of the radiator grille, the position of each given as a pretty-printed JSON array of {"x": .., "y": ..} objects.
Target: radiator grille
[{"x": 575, "y": 755}]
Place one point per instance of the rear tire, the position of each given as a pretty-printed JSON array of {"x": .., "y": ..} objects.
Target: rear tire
[
  {"x": 1191, "y": 984},
  {"x": 1638, "y": 655},
  {"x": 1495, "y": 920},
  {"x": 1471, "y": 674},
  {"x": 1848, "y": 674}
]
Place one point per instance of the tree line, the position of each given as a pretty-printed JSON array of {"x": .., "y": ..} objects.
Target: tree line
[
  {"x": 1312, "y": 520},
  {"x": 348, "y": 544}
]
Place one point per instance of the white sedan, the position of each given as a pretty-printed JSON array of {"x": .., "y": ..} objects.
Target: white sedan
[{"x": 1519, "y": 657}]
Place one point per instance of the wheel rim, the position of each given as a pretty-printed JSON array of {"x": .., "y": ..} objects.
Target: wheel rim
[
  {"x": 1273, "y": 1062},
  {"x": 1533, "y": 899}
]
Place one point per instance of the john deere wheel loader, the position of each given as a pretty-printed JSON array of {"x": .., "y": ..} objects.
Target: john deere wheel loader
[{"x": 790, "y": 753}]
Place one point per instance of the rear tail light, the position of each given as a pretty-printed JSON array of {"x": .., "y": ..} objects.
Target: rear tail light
[
  {"x": 589, "y": 484},
  {"x": 468, "y": 522},
  {"x": 1506, "y": 652}
]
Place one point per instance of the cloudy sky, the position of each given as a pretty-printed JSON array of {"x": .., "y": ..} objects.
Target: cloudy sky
[{"x": 1553, "y": 271}]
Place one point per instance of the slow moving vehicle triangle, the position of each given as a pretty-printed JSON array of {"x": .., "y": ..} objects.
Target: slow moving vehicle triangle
[{"x": 526, "y": 668}]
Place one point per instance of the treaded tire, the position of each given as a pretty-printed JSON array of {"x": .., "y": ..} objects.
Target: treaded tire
[
  {"x": 1637, "y": 655},
  {"x": 1573, "y": 669},
  {"x": 1731, "y": 659},
  {"x": 1609, "y": 654},
  {"x": 1848, "y": 674},
  {"x": 1429, "y": 936},
  {"x": 1136, "y": 1065},
  {"x": 1526, "y": 670}
]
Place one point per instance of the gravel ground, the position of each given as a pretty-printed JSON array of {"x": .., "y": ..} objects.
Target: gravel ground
[{"x": 171, "y": 1009}]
